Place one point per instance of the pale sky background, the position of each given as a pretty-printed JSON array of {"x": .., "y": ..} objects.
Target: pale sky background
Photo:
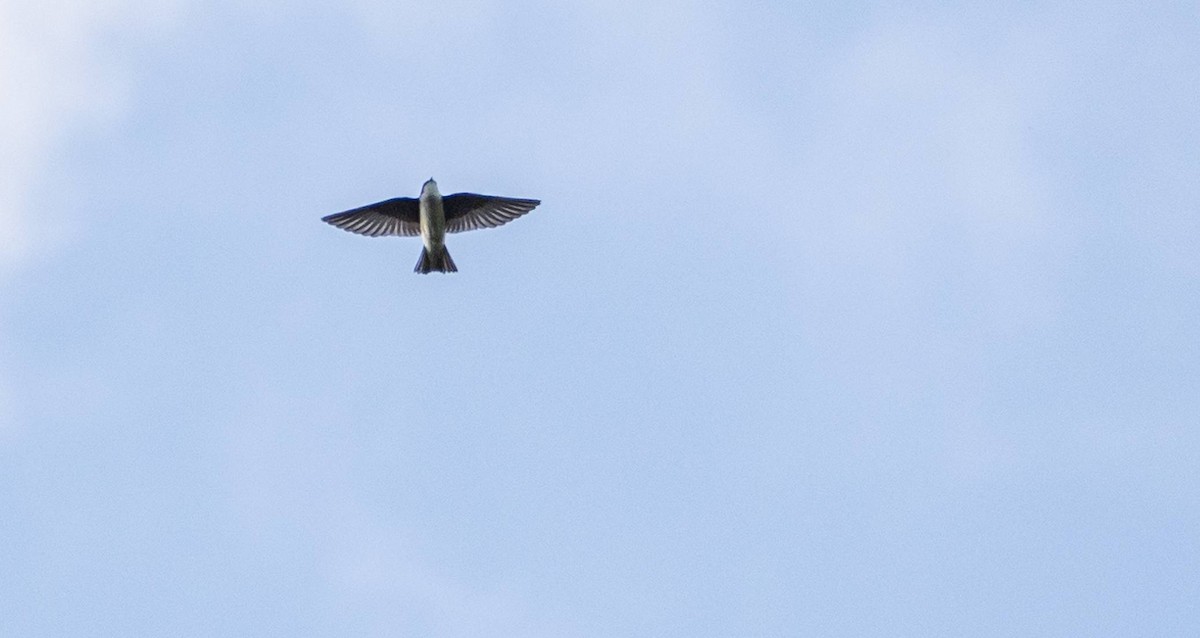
[{"x": 837, "y": 319}]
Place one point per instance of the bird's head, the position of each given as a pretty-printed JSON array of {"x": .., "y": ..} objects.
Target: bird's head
[{"x": 429, "y": 187}]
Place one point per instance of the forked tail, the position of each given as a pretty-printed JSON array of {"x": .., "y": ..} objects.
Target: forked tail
[{"x": 439, "y": 262}]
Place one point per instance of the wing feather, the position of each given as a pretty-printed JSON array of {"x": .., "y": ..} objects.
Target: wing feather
[
  {"x": 471, "y": 211},
  {"x": 399, "y": 216}
]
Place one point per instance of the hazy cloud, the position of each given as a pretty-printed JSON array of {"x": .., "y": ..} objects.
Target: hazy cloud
[
  {"x": 368, "y": 559},
  {"x": 248, "y": 417},
  {"x": 929, "y": 236},
  {"x": 55, "y": 78}
]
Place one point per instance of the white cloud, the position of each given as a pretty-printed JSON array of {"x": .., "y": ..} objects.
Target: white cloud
[{"x": 54, "y": 79}]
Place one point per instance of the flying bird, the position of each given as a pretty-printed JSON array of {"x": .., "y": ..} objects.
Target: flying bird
[{"x": 432, "y": 216}]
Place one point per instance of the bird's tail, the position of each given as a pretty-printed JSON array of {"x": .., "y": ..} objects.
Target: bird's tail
[{"x": 440, "y": 261}]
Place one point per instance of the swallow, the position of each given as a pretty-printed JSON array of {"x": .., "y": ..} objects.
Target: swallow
[{"x": 432, "y": 216}]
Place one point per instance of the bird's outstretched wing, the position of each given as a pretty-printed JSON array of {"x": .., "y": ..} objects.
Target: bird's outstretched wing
[
  {"x": 399, "y": 216},
  {"x": 468, "y": 211}
]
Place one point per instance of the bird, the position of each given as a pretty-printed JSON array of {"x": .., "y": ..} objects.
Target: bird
[{"x": 431, "y": 216}]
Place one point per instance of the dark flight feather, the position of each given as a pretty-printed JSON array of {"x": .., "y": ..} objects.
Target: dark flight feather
[
  {"x": 469, "y": 211},
  {"x": 399, "y": 216}
]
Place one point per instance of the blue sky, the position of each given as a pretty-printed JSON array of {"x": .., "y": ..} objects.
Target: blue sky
[{"x": 837, "y": 319}]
